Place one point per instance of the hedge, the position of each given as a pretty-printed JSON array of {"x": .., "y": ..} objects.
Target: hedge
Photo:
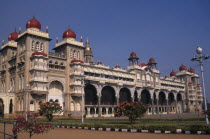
[{"x": 151, "y": 128}]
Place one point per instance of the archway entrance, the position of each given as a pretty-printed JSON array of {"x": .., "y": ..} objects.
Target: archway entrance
[
  {"x": 1, "y": 108},
  {"x": 10, "y": 106},
  {"x": 162, "y": 98},
  {"x": 56, "y": 93},
  {"x": 145, "y": 97},
  {"x": 179, "y": 103},
  {"x": 90, "y": 95},
  {"x": 136, "y": 99},
  {"x": 170, "y": 98},
  {"x": 125, "y": 95},
  {"x": 108, "y": 96}
]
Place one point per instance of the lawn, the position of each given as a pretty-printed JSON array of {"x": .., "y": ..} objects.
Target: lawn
[{"x": 189, "y": 121}]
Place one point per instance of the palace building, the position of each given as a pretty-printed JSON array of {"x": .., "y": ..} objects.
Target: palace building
[{"x": 31, "y": 75}]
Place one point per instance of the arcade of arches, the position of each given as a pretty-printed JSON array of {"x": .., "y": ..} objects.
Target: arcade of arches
[
  {"x": 6, "y": 107},
  {"x": 101, "y": 101}
]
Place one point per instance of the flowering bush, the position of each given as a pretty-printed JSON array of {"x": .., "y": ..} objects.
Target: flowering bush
[
  {"x": 31, "y": 126},
  {"x": 207, "y": 112},
  {"x": 131, "y": 110},
  {"x": 49, "y": 108}
]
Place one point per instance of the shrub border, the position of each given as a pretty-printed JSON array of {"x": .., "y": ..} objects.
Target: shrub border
[{"x": 166, "y": 129}]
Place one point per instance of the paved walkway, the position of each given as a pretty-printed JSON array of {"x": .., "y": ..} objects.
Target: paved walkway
[{"x": 63, "y": 133}]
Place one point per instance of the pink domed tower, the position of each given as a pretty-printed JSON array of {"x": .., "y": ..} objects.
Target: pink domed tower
[
  {"x": 133, "y": 59},
  {"x": 152, "y": 64}
]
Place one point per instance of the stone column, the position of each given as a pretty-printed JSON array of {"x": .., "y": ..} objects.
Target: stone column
[
  {"x": 152, "y": 106},
  {"x": 99, "y": 89},
  {"x": 176, "y": 106},
  {"x": 132, "y": 91},
  {"x": 88, "y": 111},
  {"x": 117, "y": 91},
  {"x": 158, "y": 106},
  {"x": 117, "y": 98},
  {"x": 152, "y": 100},
  {"x": 107, "y": 111},
  {"x": 167, "y": 108}
]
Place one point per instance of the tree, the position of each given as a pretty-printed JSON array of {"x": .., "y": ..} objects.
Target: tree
[
  {"x": 207, "y": 112},
  {"x": 31, "y": 126},
  {"x": 49, "y": 108},
  {"x": 131, "y": 110}
]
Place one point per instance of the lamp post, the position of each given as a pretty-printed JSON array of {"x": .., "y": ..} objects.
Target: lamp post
[
  {"x": 200, "y": 57},
  {"x": 82, "y": 91},
  {"x": 27, "y": 91}
]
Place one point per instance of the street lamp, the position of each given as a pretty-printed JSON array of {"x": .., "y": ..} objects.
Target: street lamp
[
  {"x": 200, "y": 57},
  {"x": 82, "y": 91},
  {"x": 27, "y": 92}
]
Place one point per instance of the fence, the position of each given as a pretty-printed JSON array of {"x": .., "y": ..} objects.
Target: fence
[{"x": 7, "y": 135}]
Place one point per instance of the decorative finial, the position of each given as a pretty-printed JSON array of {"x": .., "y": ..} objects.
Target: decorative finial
[
  {"x": 46, "y": 29},
  {"x": 81, "y": 39},
  {"x": 2, "y": 42},
  {"x": 56, "y": 39},
  {"x": 19, "y": 30},
  {"x": 34, "y": 17},
  {"x": 87, "y": 42},
  {"x": 15, "y": 29},
  {"x": 68, "y": 26}
]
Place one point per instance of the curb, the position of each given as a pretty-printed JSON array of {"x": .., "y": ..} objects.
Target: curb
[{"x": 178, "y": 131}]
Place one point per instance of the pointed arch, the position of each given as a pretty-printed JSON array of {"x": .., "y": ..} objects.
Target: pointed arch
[
  {"x": 145, "y": 97},
  {"x": 108, "y": 96},
  {"x": 91, "y": 97},
  {"x": 125, "y": 95}
]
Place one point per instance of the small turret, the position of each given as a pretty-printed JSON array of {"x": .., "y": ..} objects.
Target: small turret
[
  {"x": 133, "y": 59},
  {"x": 88, "y": 53},
  {"x": 152, "y": 63}
]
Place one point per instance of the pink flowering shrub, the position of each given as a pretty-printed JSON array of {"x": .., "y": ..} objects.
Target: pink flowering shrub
[
  {"x": 131, "y": 110},
  {"x": 49, "y": 108},
  {"x": 31, "y": 126},
  {"x": 207, "y": 112}
]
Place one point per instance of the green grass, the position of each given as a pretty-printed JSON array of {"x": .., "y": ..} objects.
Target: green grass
[
  {"x": 178, "y": 122},
  {"x": 116, "y": 121}
]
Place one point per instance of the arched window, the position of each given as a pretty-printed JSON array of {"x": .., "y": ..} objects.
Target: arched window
[
  {"x": 10, "y": 106},
  {"x": 31, "y": 102},
  {"x": 32, "y": 45},
  {"x": 56, "y": 65},
  {"x": 75, "y": 54},
  {"x": 37, "y": 47},
  {"x": 42, "y": 46},
  {"x": 71, "y": 53},
  {"x": 78, "y": 55}
]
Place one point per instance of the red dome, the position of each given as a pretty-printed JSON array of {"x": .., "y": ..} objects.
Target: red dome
[
  {"x": 133, "y": 54},
  {"x": 191, "y": 70},
  {"x": 39, "y": 53},
  {"x": 33, "y": 23},
  {"x": 152, "y": 59},
  {"x": 69, "y": 34},
  {"x": 143, "y": 65},
  {"x": 77, "y": 61},
  {"x": 182, "y": 67},
  {"x": 173, "y": 73},
  {"x": 117, "y": 66},
  {"x": 99, "y": 63},
  {"x": 13, "y": 36}
]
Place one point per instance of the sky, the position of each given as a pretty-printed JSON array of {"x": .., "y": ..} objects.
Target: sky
[{"x": 168, "y": 30}]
